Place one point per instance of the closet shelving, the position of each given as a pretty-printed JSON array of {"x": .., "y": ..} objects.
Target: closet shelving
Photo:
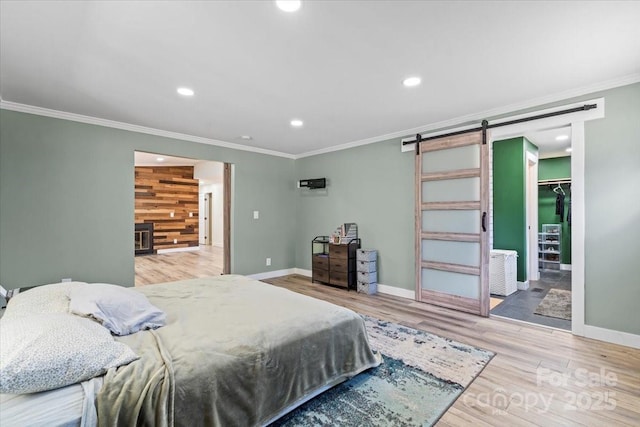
[{"x": 550, "y": 247}]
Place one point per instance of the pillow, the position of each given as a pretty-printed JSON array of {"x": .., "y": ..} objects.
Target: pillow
[
  {"x": 121, "y": 310},
  {"x": 52, "y": 298},
  {"x": 47, "y": 351}
]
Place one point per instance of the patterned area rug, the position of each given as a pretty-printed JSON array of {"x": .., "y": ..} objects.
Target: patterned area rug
[
  {"x": 420, "y": 377},
  {"x": 557, "y": 303}
]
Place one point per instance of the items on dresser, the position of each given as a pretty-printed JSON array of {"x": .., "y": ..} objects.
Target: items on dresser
[{"x": 367, "y": 271}]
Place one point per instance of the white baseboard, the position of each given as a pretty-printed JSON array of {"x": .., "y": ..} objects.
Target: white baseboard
[
  {"x": 566, "y": 267},
  {"x": 523, "y": 286},
  {"x": 609, "y": 335},
  {"x": 169, "y": 250},
  {"x": 383, "y": 289},
  {"x": 302, "y": 272},
  {"x": 272, "y": 274},
  {"x": 398, "y": 292}
]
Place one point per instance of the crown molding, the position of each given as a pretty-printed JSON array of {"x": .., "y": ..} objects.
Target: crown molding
[
  {"x": 458, "y": 121},
  {"x": 476, "y": 117},
  {"x": 30, "y": 109}
]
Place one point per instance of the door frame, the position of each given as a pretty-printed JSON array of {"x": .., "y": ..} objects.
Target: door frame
[
  {"x": 227, "y": 207},
  {"x": 533, "y": 270},
  {"x": 576, "y": 121}
]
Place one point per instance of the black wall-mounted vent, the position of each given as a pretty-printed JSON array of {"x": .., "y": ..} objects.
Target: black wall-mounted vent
[{"x": 313, "y": 183}]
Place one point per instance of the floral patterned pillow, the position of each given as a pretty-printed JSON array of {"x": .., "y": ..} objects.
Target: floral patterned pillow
[
  {"x": 43, "y": 299},
  {"x": 46, "y": 351}
]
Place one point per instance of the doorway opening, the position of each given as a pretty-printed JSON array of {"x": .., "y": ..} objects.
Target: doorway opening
[
  {"x": 186, "y": 204},
  {"x": 541, "y": 293}
]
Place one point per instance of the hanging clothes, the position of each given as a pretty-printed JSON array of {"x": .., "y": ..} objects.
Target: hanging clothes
[
  {"x": 569, "y": 214},
  {"x": 560, "y": 206}
]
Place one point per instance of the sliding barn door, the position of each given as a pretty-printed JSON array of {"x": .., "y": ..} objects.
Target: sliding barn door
[{"x": 452, "y": 223}]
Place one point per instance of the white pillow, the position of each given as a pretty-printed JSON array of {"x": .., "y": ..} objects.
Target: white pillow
[
  {"x": 122, "y": 310},
  {"x": 43, "y": 299},
  {"x": 47, "y": 351}
]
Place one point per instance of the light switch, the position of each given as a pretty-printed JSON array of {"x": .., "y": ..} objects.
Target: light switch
[{"x": 256, "y": 214}]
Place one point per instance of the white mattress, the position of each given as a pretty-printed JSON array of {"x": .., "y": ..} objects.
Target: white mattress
[{"x": 72, "y": 405}]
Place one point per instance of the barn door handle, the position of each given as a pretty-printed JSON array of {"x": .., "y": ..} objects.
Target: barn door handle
[{"x": 484, "y": 221}]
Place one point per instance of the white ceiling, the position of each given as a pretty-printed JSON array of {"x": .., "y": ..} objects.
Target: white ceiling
[
  {"x": 548, "y": 144},
  {"x": 336, "y": 65}
]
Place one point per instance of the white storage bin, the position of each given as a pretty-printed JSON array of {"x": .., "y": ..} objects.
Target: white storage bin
[
  {"x": 366, "y": 255},
  {"x": 367, "y": 277},
  {"x": 503, "y": 272},
  {"x": 367, "y": 288},
  {"x": 366, "y": 266}
]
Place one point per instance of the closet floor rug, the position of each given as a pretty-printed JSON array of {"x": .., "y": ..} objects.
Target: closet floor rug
[{"x": 557, "y": 303}]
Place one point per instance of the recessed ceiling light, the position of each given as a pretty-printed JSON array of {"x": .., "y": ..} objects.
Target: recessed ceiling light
[
  {"x": 296, "y": 123},
  {"x": 562, "y": 137},
  {"x": 185, "y": 91},
  {"x": 246, "y": 137},
  {"x": 160, "y": 159},
  {"x": 568, "y": 150},
  {"x": 288, "y": 5},
  {"x": 412, "y": 81}
]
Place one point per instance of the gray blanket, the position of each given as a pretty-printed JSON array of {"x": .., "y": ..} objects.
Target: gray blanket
[{"x": 235, "y": 351}]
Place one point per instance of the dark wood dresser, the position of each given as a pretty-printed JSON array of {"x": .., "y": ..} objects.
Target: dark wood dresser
[{"x": 337, "y": 267}]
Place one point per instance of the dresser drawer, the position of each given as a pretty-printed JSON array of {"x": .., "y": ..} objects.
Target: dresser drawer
[
  {"x": 320, "y": 261},
  {"x": 339, "y": 251},
  {"x": 321, "y": 275},
  {"x": 341, "y": 265},
  {"x": 339, "y": 278}
]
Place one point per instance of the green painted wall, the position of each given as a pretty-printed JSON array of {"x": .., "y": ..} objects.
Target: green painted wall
[
  {"x": 372, "y": 186},
  {"x": 558, "y": 167},
  {"x": 67, "y": 200},
  {"x": 509, "y": 198}
]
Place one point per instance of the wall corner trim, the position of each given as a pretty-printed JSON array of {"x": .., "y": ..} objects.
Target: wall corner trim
[{"x": 612, "y": 336}]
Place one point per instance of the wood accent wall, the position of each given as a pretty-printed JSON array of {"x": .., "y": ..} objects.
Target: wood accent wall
[{"x": 160, "y": 191}]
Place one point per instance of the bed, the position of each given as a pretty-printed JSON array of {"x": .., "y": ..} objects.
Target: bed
[{"x": 234, "y": 351}]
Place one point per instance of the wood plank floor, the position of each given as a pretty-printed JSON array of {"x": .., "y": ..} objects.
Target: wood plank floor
[
  {"x": 174, "y": 266},
  {"x": 539, "y": 376}
]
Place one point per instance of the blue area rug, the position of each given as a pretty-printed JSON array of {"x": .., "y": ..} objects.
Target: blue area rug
[{"x": 421, "y": 376}]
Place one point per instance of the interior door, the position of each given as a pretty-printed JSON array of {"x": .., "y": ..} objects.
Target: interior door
[
  {"x": 208, "y": 199},
  {"x": 452, "y": 223}
]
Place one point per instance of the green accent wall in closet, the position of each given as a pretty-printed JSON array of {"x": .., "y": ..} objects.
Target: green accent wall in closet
[
  {"x": 509, "y": 198},
  {"x": 555, "y": 168}
]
